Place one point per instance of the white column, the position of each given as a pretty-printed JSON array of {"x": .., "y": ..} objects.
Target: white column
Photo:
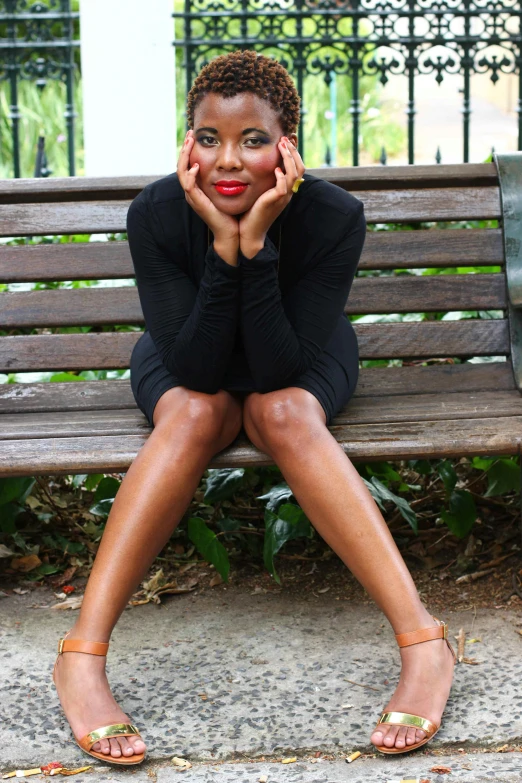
[{"x": 128, "y": 81}]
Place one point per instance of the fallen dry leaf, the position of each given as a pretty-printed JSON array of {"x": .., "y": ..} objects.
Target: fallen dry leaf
[
  {"x": 70, "y": 603},
  {"x": 441, "y": 770},
  {"x": 178, "y": 762},
  {"x": 26, "y": 563},
  {"x": 157, "y": 586},
  {"x": 5, "y": 551},
  {"x": 263, "y": 779},
  {"x": 217, "y": 579},
  {"x": 19, "y": 591},
  {"x": 289, "y": 760}
]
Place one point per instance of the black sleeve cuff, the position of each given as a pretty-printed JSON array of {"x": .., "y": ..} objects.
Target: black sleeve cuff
[
  {"x": 267, "y": 256},
  {"x": 221, "y": 266}
]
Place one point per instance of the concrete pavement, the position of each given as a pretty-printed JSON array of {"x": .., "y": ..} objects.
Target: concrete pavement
[{"x": 227, "y": 678}]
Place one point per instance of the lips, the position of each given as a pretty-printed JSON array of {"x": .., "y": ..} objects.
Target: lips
[{"x": 230, "y": 187}]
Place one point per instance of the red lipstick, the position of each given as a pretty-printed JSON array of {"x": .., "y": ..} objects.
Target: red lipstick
[{"x": 230, "y": 187}]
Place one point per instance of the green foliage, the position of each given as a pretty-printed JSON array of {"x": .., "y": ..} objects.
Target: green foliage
[
  {"x": 209, "y": 546},
  {"x": 41, "y": 114},
  {"x": 289, "y": 521}
]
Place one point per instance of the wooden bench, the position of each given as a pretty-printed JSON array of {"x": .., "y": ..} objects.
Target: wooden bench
[{"x": 428, "y": 407}]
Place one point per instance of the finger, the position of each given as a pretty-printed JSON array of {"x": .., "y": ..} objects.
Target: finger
[
  {"x": 300, "y": 166},
  {"x": 290, "y": 165}
]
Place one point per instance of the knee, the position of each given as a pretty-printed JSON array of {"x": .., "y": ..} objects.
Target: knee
[
  {"x": 208, "y": 418},
  {"x": 283, "y": 418}
]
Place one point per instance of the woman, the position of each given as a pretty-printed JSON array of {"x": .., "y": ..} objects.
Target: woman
[{"x": 243, "y": 289}]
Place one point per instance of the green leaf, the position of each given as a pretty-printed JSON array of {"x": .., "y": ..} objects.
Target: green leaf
[
  {"x": 107, "y": 488},
  {"x": 78, "y": 480},
  {"x": 209, "y": 546},
  {"x": 228, "y": 525},
  {"x": 448, "y": 475},
  {"x": 60, "y": 377},
  {"x": 384, "y": 470},
  {"x": 15, "y": 489},
  {"x": 8, "y": 515},
  {"x": 276, "y": 495},
  {"x": 222, "y": 483},
  {"x": 103, "y": 508},
  {"x": 481, "y": 463},
  {"x": 289, "y": 522},
  {"x": 461, "y": 514},
  {"x": 381, "y": 493},
  {"x": 503, "y": 477},
  {"x": 422, "y": 466},
  {"x": 92, "y": 481}
]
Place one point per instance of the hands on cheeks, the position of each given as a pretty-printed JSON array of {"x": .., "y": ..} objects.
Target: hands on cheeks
[{"x": 256, "y": 221}]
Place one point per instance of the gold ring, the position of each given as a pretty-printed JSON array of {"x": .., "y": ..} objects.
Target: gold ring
[{"x": 297, "y": 184}]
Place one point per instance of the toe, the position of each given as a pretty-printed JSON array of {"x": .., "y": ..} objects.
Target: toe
[
  {"x": 400, "y": 739},
  {"x": 137, "y": 744},
  {"x": 115, "y": 747},
  {"x": 105, "y": 746},
  {"x": 389, "y": 739},
  {"x": 410, "y": 736},
  {"x": 420, "y": 734},
  {"x": 377, "y": 736}
]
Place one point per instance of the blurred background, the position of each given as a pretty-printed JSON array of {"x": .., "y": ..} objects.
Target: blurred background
[{"x": 99, "y": 88}]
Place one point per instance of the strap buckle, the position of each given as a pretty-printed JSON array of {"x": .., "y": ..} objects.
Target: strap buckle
[
  {"x": 60, "y": 646},
  {"x": 445, "y": 626}
]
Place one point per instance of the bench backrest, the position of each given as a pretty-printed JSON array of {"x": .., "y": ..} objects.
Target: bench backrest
[{"x": 409, "y": 195}]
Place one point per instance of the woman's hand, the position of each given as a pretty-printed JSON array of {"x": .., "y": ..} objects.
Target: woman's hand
[
  {"x": 254, "y": 223},
  {"x": 224, "y": 227}
]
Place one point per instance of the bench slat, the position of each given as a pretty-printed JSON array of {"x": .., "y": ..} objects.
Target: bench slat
[
  {"x": 363, "y": 410},
  {"x": 121, "y": 305},
  {"x": 382, "y": 250},
  {"x": 367, "y": 442},
  {"x": 91, "y": 217},
  {"x": 112, "y": 350},
  {"x": 75, "y": 188},
  {"x": 117, "y": 394}
]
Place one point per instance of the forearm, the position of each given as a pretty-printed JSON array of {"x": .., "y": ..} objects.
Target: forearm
[{"x": 227, "y": 249}]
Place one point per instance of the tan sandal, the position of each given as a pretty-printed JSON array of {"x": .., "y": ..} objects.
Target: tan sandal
[
  {"x": 404, "y": 718},
  {"x": 104, "y": 732}
]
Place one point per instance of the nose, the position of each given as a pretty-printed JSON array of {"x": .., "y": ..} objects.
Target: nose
[{"x": 228, "y": 156}]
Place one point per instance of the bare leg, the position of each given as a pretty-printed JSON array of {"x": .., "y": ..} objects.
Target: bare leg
[
  {"x": 289, "y": 425},
  {"x": 190, "y": 427}
]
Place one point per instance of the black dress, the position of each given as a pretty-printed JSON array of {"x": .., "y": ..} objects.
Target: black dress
[{"x": 211, "y": 326}]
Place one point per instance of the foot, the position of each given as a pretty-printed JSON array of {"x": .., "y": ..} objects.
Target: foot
[
  {"x": 423, "y": 689},
  {"x": 88, "y": 703}
]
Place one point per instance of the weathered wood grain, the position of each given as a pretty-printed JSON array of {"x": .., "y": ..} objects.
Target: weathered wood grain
[
  {"x": 112, "y": 350},
  {"x": 368, "y": 442},
  {"x": 382, "y": 250},
  {"x": 75, "y": 188},
  {"x": 360, "y": 410},
  {"x": 395, "y": 294},
  {"x": 117, "y": 395},
  {"x": 381, "y": 206}
]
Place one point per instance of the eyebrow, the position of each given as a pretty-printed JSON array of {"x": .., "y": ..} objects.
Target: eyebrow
[{"x": 247, "y": 130}]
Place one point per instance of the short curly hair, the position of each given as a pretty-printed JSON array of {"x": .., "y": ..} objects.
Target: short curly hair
[{"x": 245, "y": 70}]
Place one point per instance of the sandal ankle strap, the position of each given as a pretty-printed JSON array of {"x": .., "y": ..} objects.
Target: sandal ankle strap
[
  {"x": 82, "y": 645},
  {"x": 425, "y": 635},
  {"x": 422, "y": 635}
]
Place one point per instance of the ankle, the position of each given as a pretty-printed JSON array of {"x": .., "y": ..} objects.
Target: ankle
[
  {"x": 88, "y": 633},
  {"x": 414, "y": 622}
]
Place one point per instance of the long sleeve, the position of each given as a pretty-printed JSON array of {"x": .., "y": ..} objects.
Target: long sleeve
[
  {"x": 192, "y": 328},
  {"x": 284, "y": 335}
]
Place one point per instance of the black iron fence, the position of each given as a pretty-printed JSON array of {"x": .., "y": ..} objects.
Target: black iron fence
[
  {"x": 324, "y": 38},
  {"x": 37, "y": 43}
]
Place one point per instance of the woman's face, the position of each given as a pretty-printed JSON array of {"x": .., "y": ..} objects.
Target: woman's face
[{"x": 236, "y": 139}]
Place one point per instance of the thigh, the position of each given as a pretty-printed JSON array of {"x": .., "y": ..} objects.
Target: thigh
[
  {"x": 333, "y": 377},
  {"x": 160, "y": 394}
]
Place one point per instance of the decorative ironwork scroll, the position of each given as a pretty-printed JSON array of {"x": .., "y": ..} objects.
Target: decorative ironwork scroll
[
  {"x": 37, "y": 44},
  {"x": 358, "y": 37}
]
